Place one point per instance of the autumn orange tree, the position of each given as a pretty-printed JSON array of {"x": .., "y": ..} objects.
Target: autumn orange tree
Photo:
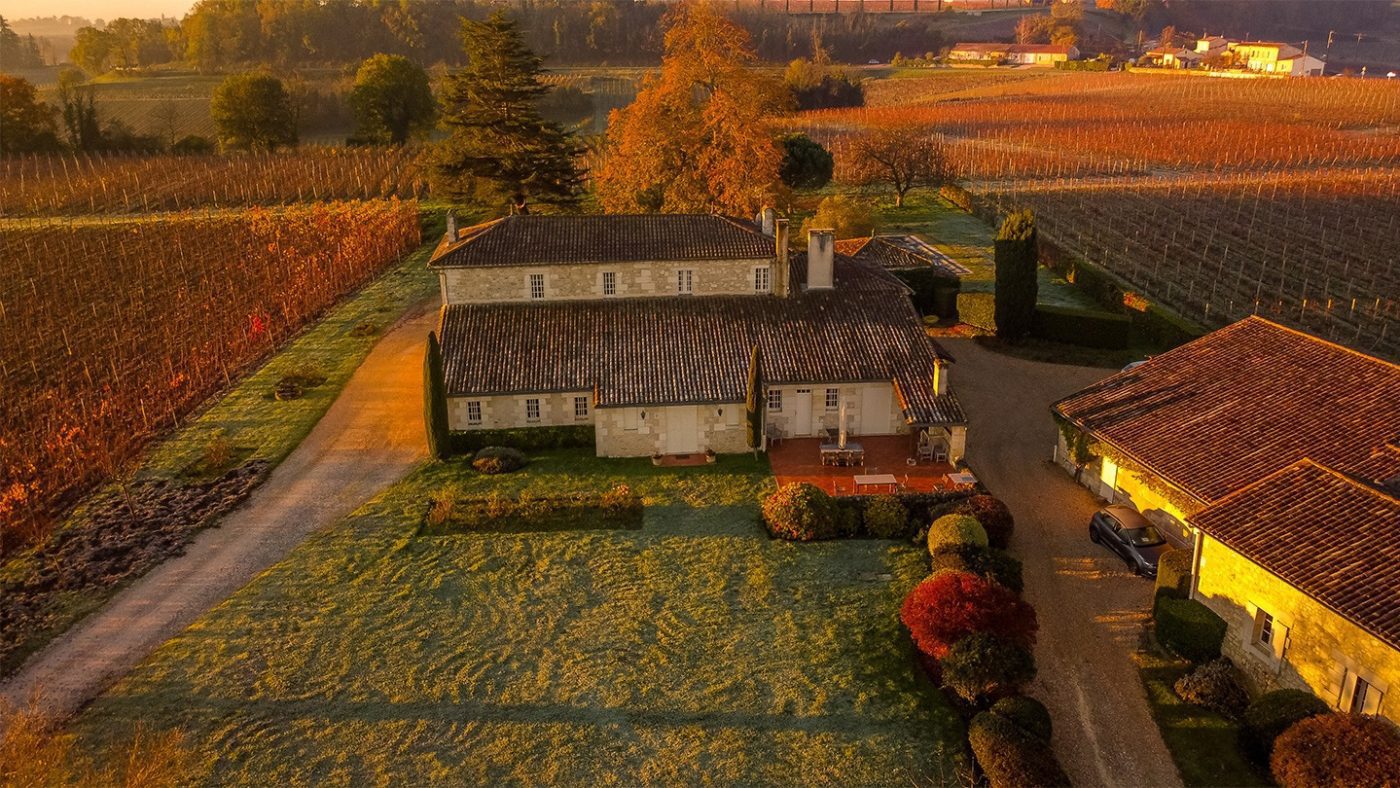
[
  {"x": 696, "y": 138},
  {"x": 899, "y": 158}
]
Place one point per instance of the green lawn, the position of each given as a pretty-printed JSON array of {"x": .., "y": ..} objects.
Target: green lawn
[
  {"x": 1203, "y": 744},
  {"x": 250, "y": 419},
  {"x": 694, "y": 649}
]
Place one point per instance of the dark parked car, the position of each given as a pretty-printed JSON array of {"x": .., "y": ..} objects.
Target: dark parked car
[{"x": 1130, "y": 535}]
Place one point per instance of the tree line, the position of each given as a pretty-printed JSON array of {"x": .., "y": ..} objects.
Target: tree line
[{"x": 219, "y": 35}]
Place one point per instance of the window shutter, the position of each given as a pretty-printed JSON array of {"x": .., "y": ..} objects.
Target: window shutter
[
  {"x": 1348, "y": 689},
  {"x": 1281, "y": 633},
  {"x": 1336, "y": 680},
  {"x": 1373, "y": 702}
]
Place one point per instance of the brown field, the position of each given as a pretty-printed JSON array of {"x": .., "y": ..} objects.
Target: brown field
[
  {"x": 1219, "y": 198},
  {"x": 112, "y": 330}
]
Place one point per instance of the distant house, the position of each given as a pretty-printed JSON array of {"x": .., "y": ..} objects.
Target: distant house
[
  {"x": 1012, "y": 54},
  {"x": 1173, "y": 57},
  {"x": 1276, "y": 456},
  {"x": 642, "y": 327},
  {"x": 1211, "y": 45},
  {"x": 1263, "y": 57}
]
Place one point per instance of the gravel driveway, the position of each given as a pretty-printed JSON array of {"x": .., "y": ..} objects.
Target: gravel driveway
[
  {"x": 371, "y": 436},
  {"x": 1090, "y": 608}
]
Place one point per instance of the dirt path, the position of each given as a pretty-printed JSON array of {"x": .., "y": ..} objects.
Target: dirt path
[
  {"x": 369, "y": 438},
  {"x": 1090, "y": 607}
]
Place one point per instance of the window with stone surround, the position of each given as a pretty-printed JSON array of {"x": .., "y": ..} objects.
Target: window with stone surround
[
  {"x": 536, "y": 286},
  {"x": 532, "y": 409},
  {"x": 762, "y": 279},
  {"x": 685, "y": 282},
  {"x": 775, "y": 399},
  {"x": 580, "y": 408},
  {"x": 474, "y": 412},
  {"x": 609, "y": 283}
]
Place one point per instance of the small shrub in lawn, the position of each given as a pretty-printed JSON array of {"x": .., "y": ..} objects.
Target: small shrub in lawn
[
  {"x": 618, "y": 499},
  {"x": 1273, "y": 713},
  {"x": 1029, "y": 714},
  {"x": 800, "y": 512},
  {"x": 948, "y": 607},
  {"x": 1174, "y": 574},
  {"x": 218, "y": 453},
  {"x": 1189, "y": 628},
  {"x": 498, "y": 459},
  {"x": 1011, "y": 756},
  {"x": 953, "y": 530},
  {"x": 886, "y": 518},
  {"x": 994, "y": 517},
  {"x": 440, "y": 511},
  {"x": 992, "y": 564},
  {"x": 1214, "y": 686},
  {"x": 983, "y": 667},
  {"x": 1337, "y": 749}
]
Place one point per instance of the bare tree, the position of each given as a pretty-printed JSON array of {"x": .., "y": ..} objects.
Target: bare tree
[
  {"x": 900, "y": 158},
  {"x": 166, "y": 116}
]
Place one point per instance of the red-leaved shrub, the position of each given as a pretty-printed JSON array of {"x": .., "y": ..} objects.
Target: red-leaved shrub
[
  {"x": 994, "y": 516},
  {"x": 1337, "y": 749},
  {"x": 943, "y": 609}
]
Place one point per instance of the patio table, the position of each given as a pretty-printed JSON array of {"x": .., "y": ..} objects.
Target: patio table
[
  {"x": 877, "y": 480},
  {"x": 834, "y": 454}
]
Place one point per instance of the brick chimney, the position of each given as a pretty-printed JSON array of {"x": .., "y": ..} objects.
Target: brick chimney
[
  {"x": 780, "y": 248},
  {"x": 821, "y": 255}
]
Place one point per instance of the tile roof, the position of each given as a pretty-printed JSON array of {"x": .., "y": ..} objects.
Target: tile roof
[
  {"x": 677, "y": 350},
  {"x": 535, "y": 239},
  {"x": 1222, "y": 412},
  {"x": 1327, "y": 535},
  {"x": 899, "y": 252}
]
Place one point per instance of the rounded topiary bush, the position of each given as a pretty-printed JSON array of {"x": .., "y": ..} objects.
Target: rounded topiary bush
[
  {"x": 948, "y": 607},
  {"x": 1273, "y": 713},
  {"x": 1174, "y": 573},
  {"x": 886, "y": 517},
  {"x": 800, "y": 512},
  {"x": 989, "y": 563},
  {"x": 1214, "y": 686},
  {"x": 1337, "y": 749},
  {"x": 955, "y": 530},
  {"x": 1028, "y": 713},
  {"x": 982, "y": 667},
  {"x": 498, "y": 459},
  {"x": 1010, "y": 756},
  {"x": 994, "y": 517},
  {"x": 1189, "y": 628}
]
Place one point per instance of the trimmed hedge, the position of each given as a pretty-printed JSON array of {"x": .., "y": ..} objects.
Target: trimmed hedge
[
  {"x": 1083, "y": 327},
  {"x": 994, "y": 516},
  {"x": 995, "y": 565},
  {"x": 1010, "y": 756},
  {"x": 1337, "y": 749},
  {"x": 1215, "y": 687},
  {"x": 1028, "y": 713},
  {"x": 524, "y": 438},
  {"x": 983, "y": 667},
  {"x": 498, "y": 459},
  {"x": 955, "y": 530},
  {"x": 616, "y": 508},
  {"x": 801, "y": 512},
  {"x": 886, "y": 518},
  {"x": 1189, "y": 628},
  {"x": 978, "y": 310},
  {"x": 1174, "y": 574},
  {"x": 1273, "y": 713}
]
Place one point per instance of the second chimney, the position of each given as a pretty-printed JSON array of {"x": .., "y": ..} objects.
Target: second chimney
[
  {"x": 821, "y": 254},
  {"x": 765, "y": 220},
  {"x": 451, "y": 227}
]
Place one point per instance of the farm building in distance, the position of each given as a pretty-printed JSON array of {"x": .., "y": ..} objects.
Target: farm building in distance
[
  {"x": 1012, "y": 54},
  {"x": 643, "y": 327},
  {"x": 1276, "y": 455},
  {"x": 1219, "y": 53}
]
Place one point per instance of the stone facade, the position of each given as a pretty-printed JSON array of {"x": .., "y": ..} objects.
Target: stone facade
[
  {"x": 1315, "y": 649},
  {"x": 585, "y": 281},
  {"x": 1116, "y": 484},
  {"x": 511, "y": 412},
  {"x": 644, "y": 431},
  {"x": 811, "y": 399}
]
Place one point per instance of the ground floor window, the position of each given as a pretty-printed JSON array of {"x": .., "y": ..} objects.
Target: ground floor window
[
  {"x": 532, "y": 410},
  {"x": 474, "y": 412},
  {"x": 580, "y": 407},
  {"x": 1365, "y": 697},
  {"x": 833, "y": 399},
  {"x": 775, "y": 399}
]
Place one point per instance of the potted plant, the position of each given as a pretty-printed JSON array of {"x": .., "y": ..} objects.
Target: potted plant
[
  {"x": 710, "y": 456},
  {"x": 656, "y": 459}
]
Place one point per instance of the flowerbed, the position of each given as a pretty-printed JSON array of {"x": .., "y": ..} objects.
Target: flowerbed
[{"x": 617, "y": 508}]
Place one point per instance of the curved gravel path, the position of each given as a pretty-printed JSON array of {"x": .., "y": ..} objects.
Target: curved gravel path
[
  {"x": 370, "y": 437},
  {"x": 1090, "y": 608}
]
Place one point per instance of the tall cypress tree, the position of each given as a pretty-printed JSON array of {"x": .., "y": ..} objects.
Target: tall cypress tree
[
  {"x": 1016, "y": 285},
  {"x": 754, "y": 403},
  {"x": 435, "y": 400},
  {"x": 500, "y": 149}
]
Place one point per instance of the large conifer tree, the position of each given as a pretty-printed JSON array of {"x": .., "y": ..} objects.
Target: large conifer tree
[{"x": 500, "y": 150}]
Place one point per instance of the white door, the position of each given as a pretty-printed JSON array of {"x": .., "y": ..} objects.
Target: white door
[
  {"x": 875, "y": 410},
  {"x": 802, "y": 412},
  {"x": 681, "y": 437}
]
